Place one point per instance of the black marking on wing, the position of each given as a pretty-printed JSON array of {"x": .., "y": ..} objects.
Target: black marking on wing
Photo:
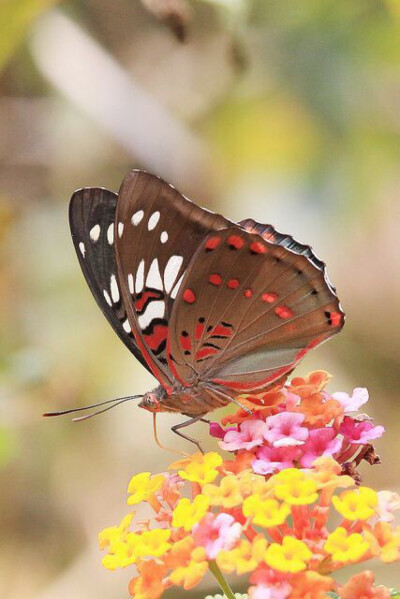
[{"x": 90, "y": 207}]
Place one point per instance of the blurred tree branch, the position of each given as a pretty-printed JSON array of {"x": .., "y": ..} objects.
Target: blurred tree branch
[{"x": 17, "y": 16}]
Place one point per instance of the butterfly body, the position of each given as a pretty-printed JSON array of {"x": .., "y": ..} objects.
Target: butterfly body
[
  {"x": 213, "y": 309},
  {"x": 192, "y": 401}
]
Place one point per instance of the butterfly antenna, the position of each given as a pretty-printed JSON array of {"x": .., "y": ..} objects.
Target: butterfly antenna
[
  {"x": 122, "y": 400},
  {"x": 116, "y": 401}
]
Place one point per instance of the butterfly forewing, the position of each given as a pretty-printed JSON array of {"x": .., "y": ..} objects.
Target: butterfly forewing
[
  {"x": 158, "y": 231},
  {"x": 249, "y": 310},
  {"x": 92, "y": 215}
]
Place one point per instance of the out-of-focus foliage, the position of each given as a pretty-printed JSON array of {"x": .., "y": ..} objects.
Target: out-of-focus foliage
[
  {"x": 16, "y": 17},
  {"x": 286, "y": 111}
]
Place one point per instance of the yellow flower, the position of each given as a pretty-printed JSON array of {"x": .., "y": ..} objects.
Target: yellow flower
[
  {"x": 199, "y": 468},
  {"x": 119, "y": 542},
  {"x": 291, "y": 556},
  {"x": 143, "y": 487},
  {"x": 227, "y": 494},
  {"x": 153, "y": 543},
  {"x": 357, "y": 505},
  {"x": 187, "y": 514},
  {"x": 244, "y": 558},
  {"x": 328, "y": 473},
  {"x": 252, "y": 484},
  {"x": 114, "y": 534},
  {"x": 265, "y": 512},
  {"x": 344, "y": 547},
  {"x": 121, "y": 553},
  {"x": 188, "y": 563},
  {"x": 294, "y": 487}
]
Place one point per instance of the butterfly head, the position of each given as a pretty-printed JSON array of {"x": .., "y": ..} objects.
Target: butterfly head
[{"x": 152, "y": 400}]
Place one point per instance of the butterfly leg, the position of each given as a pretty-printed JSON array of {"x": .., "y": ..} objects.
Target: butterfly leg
[{"x": 177, "y": 427}]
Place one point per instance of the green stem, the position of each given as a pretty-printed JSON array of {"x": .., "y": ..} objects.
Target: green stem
[{"x": 220, "y": 578}]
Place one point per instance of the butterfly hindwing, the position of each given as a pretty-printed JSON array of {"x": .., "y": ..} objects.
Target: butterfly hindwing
[
  {"x": 92, "y": 216},
  {"x": 249, "y": 310},
  {"x": 158, "y": 231}
]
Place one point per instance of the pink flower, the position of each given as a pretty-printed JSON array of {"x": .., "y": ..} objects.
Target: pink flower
[
  {"x": 215, "y": 533},
  {"x": 269, "y": 585},
  {"x": 273, "y": 459},
  {"x": 320, "y": 442},
  {"x": 280, "y": 590},
  {"x": 360, "y": 432},
  {"x": 354, "y": 402},
  {"x": 284, "y": 429},
  {"x": 250, "y": 435},
  {"x": 388, "y": 502},
  {"x": 217, "y": 431}
]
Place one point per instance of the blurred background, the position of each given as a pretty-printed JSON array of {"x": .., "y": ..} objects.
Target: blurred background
[{"x": 285, "y": 111}]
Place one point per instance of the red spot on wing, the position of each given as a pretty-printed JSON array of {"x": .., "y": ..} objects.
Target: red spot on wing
[
  {"x": 235, "y": 241},
  {"x": 198, "y": 331},
  {"x": 141, "y": 301},
  {"x": 215, "y": 279},
  {"x": 284, "y": 312},
  {"x": 247, "y": 293},
  {"x": 221, "y": 331},
  {"x": 233, "y": 283},
  {"x": 189, "y": 296},
  {"x": 258, "y": 247},
  {"x": 186, "y": 342},
  {"x": 335, "y": 318},
  {"x": 205, "y": 352},
  {"x": 269, "y": 298},
  {"x": 159, "y": 334},
  {"x": 212, "y": 242}
]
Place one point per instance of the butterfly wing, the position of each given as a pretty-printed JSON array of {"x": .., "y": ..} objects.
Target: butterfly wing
[
  {"x": 92, "y": 216},
  {"x": 158, "y": 231},
  {"x": 250, "y": 310}
]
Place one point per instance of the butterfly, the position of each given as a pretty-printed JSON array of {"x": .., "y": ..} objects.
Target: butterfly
[{"x": 212, "y": 308}]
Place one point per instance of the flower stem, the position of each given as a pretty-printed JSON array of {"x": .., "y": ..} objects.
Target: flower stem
[{"x": 220, "y": 578}]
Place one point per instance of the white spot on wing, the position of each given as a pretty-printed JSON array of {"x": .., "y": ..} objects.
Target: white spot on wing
[
  {"x": 107, "y": 297},
  {"x": 171, "y": 272},
  {"x": 114, "y": 289},
  {"x": 154, "y": 278},
  {"x": 130, "y": 283},
  {"x": 126, "y": 326},
  {"x": 164, "y": 237},
  {"x": 82, "y": 248},
  {"x": 153, "y": 310},
  {"x": 95, "y": 233},
  {"x": 110, "y": 234},
  {"x": 175, "y": 290},
  {"x": 139, "y": 281},
  {"x": 137, "y": 217},
  {"x": 153, "y": 220},
  {"x": 120, "y": 229}
]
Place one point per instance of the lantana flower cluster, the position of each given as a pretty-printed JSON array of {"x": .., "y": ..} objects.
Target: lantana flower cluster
[
  {"x": 294, "y": 424},
  {"x": 286, "y": 530}
]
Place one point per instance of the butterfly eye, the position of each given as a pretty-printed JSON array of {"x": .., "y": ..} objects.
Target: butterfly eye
[{"x": 149, "y": 402}]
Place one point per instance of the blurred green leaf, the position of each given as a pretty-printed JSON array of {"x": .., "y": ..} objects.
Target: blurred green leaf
[{"x": 16, "y": 17}]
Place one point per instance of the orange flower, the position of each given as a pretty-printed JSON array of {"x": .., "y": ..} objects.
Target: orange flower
[
  {"x": 149, "y": 584},
  {"x": 317, "y": 411},
  {"x": 188, "y": 563},
  {"x": 385, "y": 542},
  {"x": 313, "y": 383},
  {"x": 310, "y": 585},
  {"x": 242, "y": 461},
  {"x": 362, "y": 587}
]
